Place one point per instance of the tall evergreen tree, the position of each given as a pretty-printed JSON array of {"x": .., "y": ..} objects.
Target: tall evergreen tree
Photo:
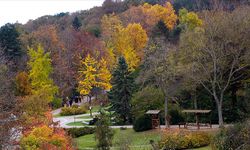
[
  {"x": 122, "y": 89},
  {"x": 9, "y": 41},
  {"x": 76, "y": 23}
]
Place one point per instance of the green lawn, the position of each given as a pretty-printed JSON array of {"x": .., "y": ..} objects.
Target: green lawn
[
  {"x": 84, "y": 117},
  {"x": 77, "y": 123},
  {"x": 135, "y": 138}
]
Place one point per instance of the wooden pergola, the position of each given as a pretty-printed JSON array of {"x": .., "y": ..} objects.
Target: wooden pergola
[
  {"x": 155, "y": 117},
  {"x": 197, "y": 113}
]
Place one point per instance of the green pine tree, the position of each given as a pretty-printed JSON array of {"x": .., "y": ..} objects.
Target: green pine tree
[
  {"x": 10, "y": 43},
  {"x": 76, "y": 23},
  {"x": 121, "y": 92},
  {"x": 103, "y": 133}
]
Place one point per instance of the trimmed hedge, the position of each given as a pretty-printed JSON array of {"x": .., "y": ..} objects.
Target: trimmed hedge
[
  {"x": 142, "y": 123},
  {"x": 77, "y": 132},
  {"x": 74, "y": 110},
  {"x": 179, "y": 139}
]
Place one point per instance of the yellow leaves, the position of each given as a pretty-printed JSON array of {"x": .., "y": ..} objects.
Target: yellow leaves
[
  {"x": 44, "y": 136},
  {"x": 110, "y": 25},
  {"x": 138, "y": 37},
  {"x": 93, "y": 74},
  {"x": 129, "y": 43},
  {"x": 169, "y": 17},
  {"x": 155, "y": 13}
]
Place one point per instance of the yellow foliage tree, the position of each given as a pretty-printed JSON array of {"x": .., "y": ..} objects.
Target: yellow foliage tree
[
  {"x": 93, "y": 74},
  {"x": 149, "y": 15},
  {"x": 111, "y": 24},
  {"x": 104, "y": 75},
  {"x": 87, "y": 75},
  {"x": 130, "y": 42}
]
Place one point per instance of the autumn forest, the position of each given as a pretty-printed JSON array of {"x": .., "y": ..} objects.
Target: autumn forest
[{"x": 129, "y": 75}]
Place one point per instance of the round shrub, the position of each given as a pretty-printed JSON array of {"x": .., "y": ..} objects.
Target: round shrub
[
  {"x": 142, "y": 123},
  {"x": 77, "y": 132},
  {"x": 56, "y": 103},
  {"x": 75, "y": 110}
]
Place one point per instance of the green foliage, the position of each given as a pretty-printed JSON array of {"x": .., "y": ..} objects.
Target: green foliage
[
  {"x": 180, "y": 139},
  {"x": 74, "y": 110},
  {"x": 103, "y": 133},
  {"x": 148, "y": 98},
  {"x": 39, "y": 74},
  {"x": 9, "y": 40},
  {"x": 189, "y": 20},
  {"x": 175, "y": 114},
  {"x": 56, "y": 102},
  {"x": 77, "y": 132},
  {"x": 121, "y": 92},
  {"x": 95, "y": 30},
  {"x": 142, "y": 123},
  {"x": 76, "y": 23},
  {"x": 236, "y": 137}
]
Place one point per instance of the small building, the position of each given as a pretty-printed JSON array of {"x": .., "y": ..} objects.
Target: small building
[{"x": 154, "y": 117}]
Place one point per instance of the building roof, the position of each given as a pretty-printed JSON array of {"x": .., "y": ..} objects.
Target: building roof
[
  {"x": 153, "y": 112},
  {"x": 196, "y": 111}
]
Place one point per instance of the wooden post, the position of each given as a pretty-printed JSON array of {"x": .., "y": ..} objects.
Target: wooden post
[{"x": 197, "y": 121}]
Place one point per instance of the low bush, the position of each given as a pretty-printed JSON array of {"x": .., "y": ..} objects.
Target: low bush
[
  {"x": 235, "y": 137},
  {"x": 44, "y": 136},
  {"x": 56, "y": 103},
  {"x": 142, "y": 123},
  {"x": 74, "y": 110},
  {"x": 180, "y": 139},
  {"x": 77, "y": 132}
]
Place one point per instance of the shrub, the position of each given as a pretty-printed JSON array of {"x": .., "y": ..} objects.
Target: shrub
[
  {"x": 148, "y": 98},
  {"x": 236, "y": 137},
  {"x": 176, "y": 116},
  {"x": 41, "y": 136},
  {"x": 74, "y": 110},
  {"x": 77, "y": 132},
  {"x": 56, "y": 103},
  {"x": 179, "y": 139},
  {"x": 142, "y": 123}
]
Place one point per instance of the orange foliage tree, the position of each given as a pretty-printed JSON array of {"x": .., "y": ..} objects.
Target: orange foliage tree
[{"x": 149, "y": 15}]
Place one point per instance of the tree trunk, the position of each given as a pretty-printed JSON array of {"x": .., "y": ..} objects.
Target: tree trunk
[
  {"x": 90, "y": 107},
  {"x": 195, "y": 106},
  {"x": 219, "y": 107},
  {"x": 166, "y": 112}
]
